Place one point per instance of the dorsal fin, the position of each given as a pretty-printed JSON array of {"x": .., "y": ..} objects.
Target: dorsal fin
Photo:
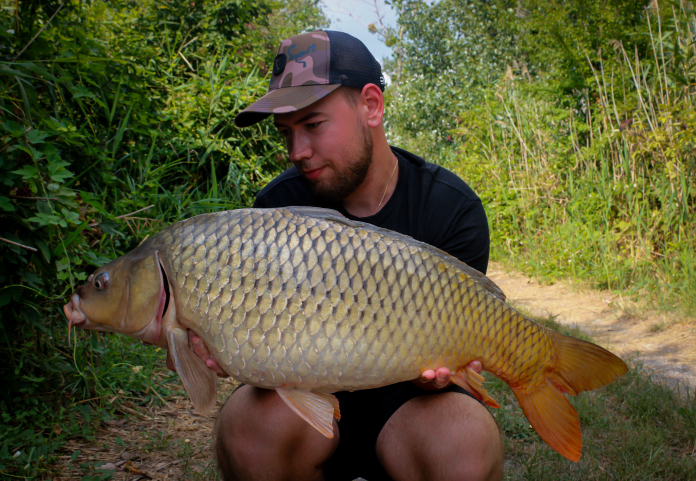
[
  {"x": 321, "y": 213},
  {"x": 335, "y": 216}
]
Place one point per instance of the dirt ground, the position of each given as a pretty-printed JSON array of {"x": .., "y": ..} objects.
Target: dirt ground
[
  {"x": 165, "y": 443},
  {"x": 174, "y": 443}
]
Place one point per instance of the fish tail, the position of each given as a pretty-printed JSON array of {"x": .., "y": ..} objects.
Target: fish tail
[{"x": 581, "y": 366}]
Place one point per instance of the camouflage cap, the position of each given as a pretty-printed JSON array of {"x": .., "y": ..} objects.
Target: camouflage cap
[{"x": 310, "y": 66}]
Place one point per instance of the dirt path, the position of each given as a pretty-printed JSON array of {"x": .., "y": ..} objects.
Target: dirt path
[
  {"x": 667, "y": 346},
  {"x": 174, "y": 443}
]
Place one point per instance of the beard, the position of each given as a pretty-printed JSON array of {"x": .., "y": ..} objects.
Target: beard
[{"x": 347, "y": 180}]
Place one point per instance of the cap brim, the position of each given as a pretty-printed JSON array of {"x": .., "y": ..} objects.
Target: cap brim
[{"x": 281, "y": 101}]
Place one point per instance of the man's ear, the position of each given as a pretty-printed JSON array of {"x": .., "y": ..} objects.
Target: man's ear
[{"x": 374, "y": 101}]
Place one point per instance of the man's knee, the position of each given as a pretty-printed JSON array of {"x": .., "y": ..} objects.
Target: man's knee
[
  {"x": 257, "y": 435},
  {"x": 483, "y": 444},
  {"x": 230, "y": 443},
  {"x": 249, "y": 425},
  {"x": 447, "y": 436}
]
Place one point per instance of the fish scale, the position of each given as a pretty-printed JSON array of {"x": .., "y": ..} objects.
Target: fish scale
[{"x": 306, "y": 302}]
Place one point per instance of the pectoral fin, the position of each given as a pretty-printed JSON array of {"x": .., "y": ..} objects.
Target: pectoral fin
[
  {"x": 198, "y": 380},
  {"x": 317, "y": 408},
  {"x": 475, "y": 381}
]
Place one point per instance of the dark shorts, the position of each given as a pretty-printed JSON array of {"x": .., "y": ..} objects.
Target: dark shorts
[{"x": 363, "y": 415}]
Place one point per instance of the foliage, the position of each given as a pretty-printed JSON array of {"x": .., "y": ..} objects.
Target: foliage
[
  {"x": 451, "y": 50},
  {"x": 585, "y": 169},
  {"x": 116, "y": 120},
  {"x": 616, "y": 180},
  {"x": 555, "y": 38},
  {"x": 454, "y": 50}
]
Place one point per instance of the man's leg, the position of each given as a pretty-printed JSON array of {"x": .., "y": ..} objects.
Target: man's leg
[
  {"x": 258, "y": 437},
  {"x": 446, "y": 436}
]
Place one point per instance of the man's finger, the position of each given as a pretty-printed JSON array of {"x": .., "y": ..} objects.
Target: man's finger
[
  {"x": 198, "y": 346},
  {"x": 213, "y": 364},
  {"x": 442, "y": 377},
  {"x": 201, "y": 350},
  {"x": 427, "y": 375},
  {"x": 476, "y": 366}
]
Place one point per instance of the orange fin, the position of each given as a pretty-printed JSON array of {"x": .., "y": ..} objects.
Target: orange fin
[
  {"x": 583, "y": 366},
  {"x": 317, "y": 408},
  {"x": 475, "y": 380},
  {"x": 553, "y": 418},
  {"x": 580, "y": 366}
]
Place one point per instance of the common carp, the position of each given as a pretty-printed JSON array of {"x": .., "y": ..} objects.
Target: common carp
[{"x": 307, "y": 302}]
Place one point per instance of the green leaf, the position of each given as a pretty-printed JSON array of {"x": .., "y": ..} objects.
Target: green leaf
[
  {"x": 28, "y": 172},
  {"x": 73, "y": 217},
  {"x": 44, "y": 249},
  {"x": 5, "y": 204},
  {"x": 80, "y": 91},
  {"x": 29, "y": 149},
  {"x": 13, "y": 128},
  {"x": 58, "y": 173},
  {"x": 37, "y": 136},
  {"x": 47, "y": 219}
]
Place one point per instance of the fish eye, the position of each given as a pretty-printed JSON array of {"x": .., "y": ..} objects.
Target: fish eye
[{"x": 101, "y": 281}]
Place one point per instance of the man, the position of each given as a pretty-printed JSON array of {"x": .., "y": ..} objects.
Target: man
[{"x": 326, "y": 98}]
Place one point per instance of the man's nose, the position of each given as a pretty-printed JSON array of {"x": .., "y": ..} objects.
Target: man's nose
[{"x": 299, "y": 147}]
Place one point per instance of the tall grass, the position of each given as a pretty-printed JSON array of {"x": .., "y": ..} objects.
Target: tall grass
[{"x": 602, "y": 187}]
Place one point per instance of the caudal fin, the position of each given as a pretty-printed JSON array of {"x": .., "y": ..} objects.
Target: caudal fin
[{"x": 581, "y": 366}]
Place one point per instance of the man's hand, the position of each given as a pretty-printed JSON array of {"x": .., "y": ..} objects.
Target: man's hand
[
  {"x": 431, "y": 380},
  {"x": 201, "y": 350}
]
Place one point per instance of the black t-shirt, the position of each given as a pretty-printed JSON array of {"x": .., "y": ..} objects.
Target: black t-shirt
[{"x": 430, "y": 204}]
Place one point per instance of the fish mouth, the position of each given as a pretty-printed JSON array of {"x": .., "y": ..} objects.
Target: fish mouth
[{"x": 76, "y": 318}]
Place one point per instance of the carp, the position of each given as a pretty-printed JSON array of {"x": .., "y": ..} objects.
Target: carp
[{"x": 307, "y": 302}]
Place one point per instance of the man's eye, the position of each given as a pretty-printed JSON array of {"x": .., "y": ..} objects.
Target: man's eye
[{"x": 313, "y": 125}]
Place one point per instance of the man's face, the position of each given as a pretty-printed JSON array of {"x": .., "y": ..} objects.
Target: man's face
[{"x": 329, "y": 144}]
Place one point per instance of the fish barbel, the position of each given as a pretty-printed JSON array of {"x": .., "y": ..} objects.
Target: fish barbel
[{"x": 307, "y": 302}]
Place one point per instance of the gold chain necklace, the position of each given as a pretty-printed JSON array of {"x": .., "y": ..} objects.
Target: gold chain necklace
[{"x": 396, "y": 162}]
